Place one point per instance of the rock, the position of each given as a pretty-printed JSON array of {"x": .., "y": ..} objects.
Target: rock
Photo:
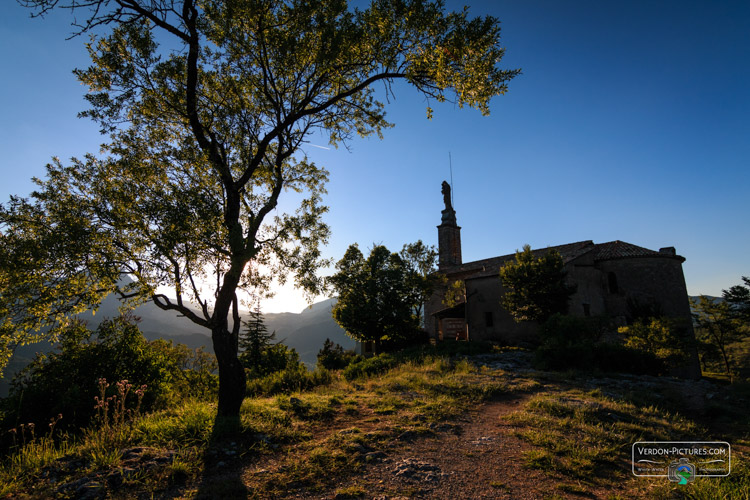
[
  {"x": 375, "y": 457},
  {"x": 483, "y": 440},
  {"x": 90, "y": 490},
  {"x": 115, "y": 478},
  {"x": 73, "y": 485},
  {"x": 407, "y": 436},
  {"x": 132, "y": 453},
  {"x": 411, "y": 468}
]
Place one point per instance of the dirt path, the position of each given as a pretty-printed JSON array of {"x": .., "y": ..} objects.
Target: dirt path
[{"x": 476, "y": 458}]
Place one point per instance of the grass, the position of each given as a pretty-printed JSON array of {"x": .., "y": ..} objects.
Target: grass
[
  {"x": 586, "y": 435},
  {"x": 402, "y": 398},
  {"x": 306, "y": 443}
]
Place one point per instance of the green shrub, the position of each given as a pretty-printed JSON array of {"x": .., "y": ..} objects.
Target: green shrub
[
  {"x": 598, "y": 357},
  {"x": 660, "y": 336},
  {"x": 281, "y": 372},
  {"x": 571, "y": 343},
  {"x": 291, "y": 379},
  {"x": 564, "y": 331},
  {"x": 66, "y": 382},
  {"x": 334, "y": 357},
  {"x": 370, "y": 366}
]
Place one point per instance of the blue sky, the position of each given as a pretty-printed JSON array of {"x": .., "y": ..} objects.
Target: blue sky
[{"x": 631, "y": 121}]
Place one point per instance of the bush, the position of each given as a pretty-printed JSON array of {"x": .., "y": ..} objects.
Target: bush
[
  {"x": 334, "y": 357},
  {"x": 566, "y": 331},
  {"x": 291, "y": 379},
  {"x": 281, "y": 372},
  {"x": 66, "y": 382},
  {"x": 414, "y": 338},
  {"x": 598, "y": 357},
  {"x": 367, "y": 367},
  {"x": 272, "y": 359},
  {"x": 571, "y": 343},
  {"x": 661, "y": 337}
]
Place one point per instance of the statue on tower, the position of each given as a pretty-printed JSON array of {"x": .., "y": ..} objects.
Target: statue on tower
[{"x": 447, "y": 197}]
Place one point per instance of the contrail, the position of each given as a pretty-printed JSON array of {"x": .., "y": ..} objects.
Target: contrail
[{"x": 321, "y": 147}]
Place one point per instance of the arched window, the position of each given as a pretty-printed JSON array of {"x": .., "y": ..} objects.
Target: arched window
[{"x": 612, "y": 280}]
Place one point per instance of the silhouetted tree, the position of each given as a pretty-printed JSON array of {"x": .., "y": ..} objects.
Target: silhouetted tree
[
  {"x": 208, "y": 106},
  {"x": 374, "y": 300},
  {"x": 535, "y": 287},
  {"x": 738, "y": 297},
  {"x": 718, "y": 326},
  {"x": 254, "y": 339},
  {"x": 420, "y": 262}
]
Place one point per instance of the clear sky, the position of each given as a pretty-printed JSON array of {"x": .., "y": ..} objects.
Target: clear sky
[{"x": 631, "y": 121}]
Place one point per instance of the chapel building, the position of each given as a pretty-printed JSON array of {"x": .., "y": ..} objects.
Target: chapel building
[{"x": 616, "y": 279}]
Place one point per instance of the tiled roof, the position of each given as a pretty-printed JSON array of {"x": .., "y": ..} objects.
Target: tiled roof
[
  {"x": 619, "y": 250},
  {"x": 602, "y": 251},
  {"x": 491, "y": 267}
]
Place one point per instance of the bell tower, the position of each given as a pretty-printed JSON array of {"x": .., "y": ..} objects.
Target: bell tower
[{"x": 449, "y": 233}]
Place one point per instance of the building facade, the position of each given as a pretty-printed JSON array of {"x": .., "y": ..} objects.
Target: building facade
[{"x": 616, "y": 279}]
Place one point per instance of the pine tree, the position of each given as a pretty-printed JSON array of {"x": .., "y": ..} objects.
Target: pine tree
[{"x": 255, "y": 340}]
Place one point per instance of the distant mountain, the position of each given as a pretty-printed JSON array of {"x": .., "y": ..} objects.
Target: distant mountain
[{"x": 306, "y": 332}]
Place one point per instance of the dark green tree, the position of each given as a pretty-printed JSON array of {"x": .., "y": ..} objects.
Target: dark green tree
[
  {"x": 420, "y": 262},
  {"x": 65, "y": 381},
  {"x": 535, "y": 286},
  {"x": 374, "y": 301},
  {"x": 718, "y": 326},
  {"x": 208, "y": 106},
  {"x": 333, "y": 356},
  {"x": 738, "y": 298},
  {"x": 254, "y": 340}
]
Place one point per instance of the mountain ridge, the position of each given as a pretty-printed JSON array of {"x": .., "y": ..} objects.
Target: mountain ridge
[{"x": 304, "y": 331}]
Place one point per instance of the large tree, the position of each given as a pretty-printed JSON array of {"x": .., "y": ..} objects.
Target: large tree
[
  {"x": 375, "y": 297},
  {"x": 535, "y": 285},
  {"x": 421, "y": 277},
  {"x": 207, "y": 107}
]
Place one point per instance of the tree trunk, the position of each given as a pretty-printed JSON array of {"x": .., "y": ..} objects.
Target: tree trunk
[
  {"x": 231, "y": 374},
  {"x": 726, "y": 363}
]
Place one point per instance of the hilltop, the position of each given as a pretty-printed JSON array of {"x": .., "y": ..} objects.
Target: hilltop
[
  {"x": 425, "y": 424},
  {"x": 305, "y": 331}
]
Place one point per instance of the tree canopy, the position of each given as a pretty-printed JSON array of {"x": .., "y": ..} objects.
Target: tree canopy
[
  {"x": 375, "y": 298},
  {"x": 535, "y": 287},
  {"x": 207, "y": 107},
  {"x": 420, "y": 262},
  {"x": 738, "y": 298}
]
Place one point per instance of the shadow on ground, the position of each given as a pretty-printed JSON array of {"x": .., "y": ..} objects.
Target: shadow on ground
[{"x": 221, "y": 469}]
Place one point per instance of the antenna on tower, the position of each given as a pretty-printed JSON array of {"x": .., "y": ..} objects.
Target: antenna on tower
[{"x": 450, "y": 165}]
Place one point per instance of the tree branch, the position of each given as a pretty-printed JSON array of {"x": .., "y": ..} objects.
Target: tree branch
[{"x": 163, "y": 302}]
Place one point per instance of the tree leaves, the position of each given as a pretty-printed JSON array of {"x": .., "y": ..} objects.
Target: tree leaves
[
  {"x": 535, "y": 287},
  {"x": 207, "y": 106}
]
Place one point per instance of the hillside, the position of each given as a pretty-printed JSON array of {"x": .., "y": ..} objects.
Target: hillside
[
  {"x": 431, "y": 426},
  {"x": 305, "y": 332}
]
